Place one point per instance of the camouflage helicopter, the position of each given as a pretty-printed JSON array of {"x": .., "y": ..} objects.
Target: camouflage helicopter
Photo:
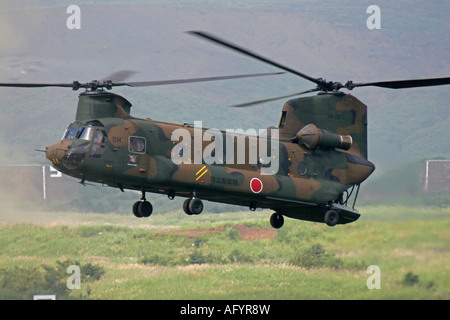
[{"x": 318, "y": 155}]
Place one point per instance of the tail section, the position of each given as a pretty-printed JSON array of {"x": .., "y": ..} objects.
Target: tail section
[{"x": 333, "y": 112}]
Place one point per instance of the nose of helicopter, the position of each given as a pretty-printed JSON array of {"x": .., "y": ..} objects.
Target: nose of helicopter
[{"x": 56, "y": 152}]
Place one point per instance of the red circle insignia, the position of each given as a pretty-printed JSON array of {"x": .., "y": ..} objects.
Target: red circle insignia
[{"x": 256, "y": 185}]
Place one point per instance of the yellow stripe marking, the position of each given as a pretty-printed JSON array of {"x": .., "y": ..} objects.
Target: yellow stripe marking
[
  {"x": 201, "y": 174},
  {"x": 200, "y": 170}
]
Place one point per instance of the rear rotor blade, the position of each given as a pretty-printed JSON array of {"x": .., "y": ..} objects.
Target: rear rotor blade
[
  {"x": 242, "y": 50},
  {"x": 401, "y": 84},
  {"x": 272, "y": 99}
]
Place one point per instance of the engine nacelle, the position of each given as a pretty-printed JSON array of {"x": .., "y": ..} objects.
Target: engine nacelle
[{"x": 312, "y": 137}]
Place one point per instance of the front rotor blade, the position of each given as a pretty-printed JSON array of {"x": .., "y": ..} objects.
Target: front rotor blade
[
  {"x": 239, "y": 49},
  {"x": 36, "y": 85},
  {"x": 109, "y": 84},
  {"x": 119, "y": 76},
  {"x": 178, "y": 81},
  {"x": 401, "y": 84},
  {"x": 272, "y": 99}
]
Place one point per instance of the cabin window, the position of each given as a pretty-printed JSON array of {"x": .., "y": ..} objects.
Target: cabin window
[
  {"x": 264, "y": 162},
  {"x": 282, "y": 119},
  {"x": 136, "y": 144},
  {"x": 302, "y": 168}
]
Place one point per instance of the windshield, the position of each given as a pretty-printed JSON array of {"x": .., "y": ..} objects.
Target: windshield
[
  {"x": 72, "y": 133},
  {"x": 83, "y": 133},
  {"x": 86, "y": 133}
]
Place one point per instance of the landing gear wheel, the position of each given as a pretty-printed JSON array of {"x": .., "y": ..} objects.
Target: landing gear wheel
[
  {"x": 331, "y": 218},
  {"x": 276, "y": 220},
  {"x": 145, "y": 209},
  {"x": 142, "y": 209},
  {"x": 136, "y": 209},
  {"x": 186, "y": 207},
  {"x": 195, "y": 206}
]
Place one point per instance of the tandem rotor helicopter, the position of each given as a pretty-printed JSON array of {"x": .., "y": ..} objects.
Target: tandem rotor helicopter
[{"x": 319, "y": 148}]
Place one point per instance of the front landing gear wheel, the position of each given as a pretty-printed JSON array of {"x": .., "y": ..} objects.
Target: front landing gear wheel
[
  {"x": 142, "y": 209},
  {"x": 136, "y": 209},
  {"x": 186, "y": 207},
  {"x": 145, "y": 209},
  {"x": 331, "y": 218},
  {"x": 276, "y": 220},
  {"x": 196, "y": 206},
  {"x": 193, "y": 206}
]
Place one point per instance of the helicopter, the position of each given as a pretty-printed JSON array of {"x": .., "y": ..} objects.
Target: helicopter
[{"x": 317, "y": 162}]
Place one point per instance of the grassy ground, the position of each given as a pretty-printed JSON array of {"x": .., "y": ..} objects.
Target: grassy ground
[{"x": 226, "y": 256}]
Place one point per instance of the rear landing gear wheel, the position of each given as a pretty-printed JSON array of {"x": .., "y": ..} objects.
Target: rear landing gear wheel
[
  {"x": 276, "y": 220},
  {"x": 331, "y": 218}
]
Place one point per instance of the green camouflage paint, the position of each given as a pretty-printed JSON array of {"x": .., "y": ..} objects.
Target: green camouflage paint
[{"x": 121, "y": 151}]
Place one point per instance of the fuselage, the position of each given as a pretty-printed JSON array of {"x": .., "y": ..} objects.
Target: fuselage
[
  {"x": 302, "y": 169},
  {"x": 146, "y": 155}
]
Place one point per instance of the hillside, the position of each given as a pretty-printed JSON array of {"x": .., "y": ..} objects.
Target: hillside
[
  {"x": 326, "y": 40},
  {"x": 229, "y": 256}
]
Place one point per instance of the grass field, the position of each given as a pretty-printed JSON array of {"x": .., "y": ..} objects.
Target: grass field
[{"x": 226, "y": 256}]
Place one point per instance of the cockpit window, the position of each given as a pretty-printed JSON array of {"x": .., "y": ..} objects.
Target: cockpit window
[
  {"x": 94, "y": 123},
  {"x": 72, "y": 133},
  {"x": 97, "y": 146},
  {"x": 86, "y": 133},
  {"x": 99, "y": 137}
]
